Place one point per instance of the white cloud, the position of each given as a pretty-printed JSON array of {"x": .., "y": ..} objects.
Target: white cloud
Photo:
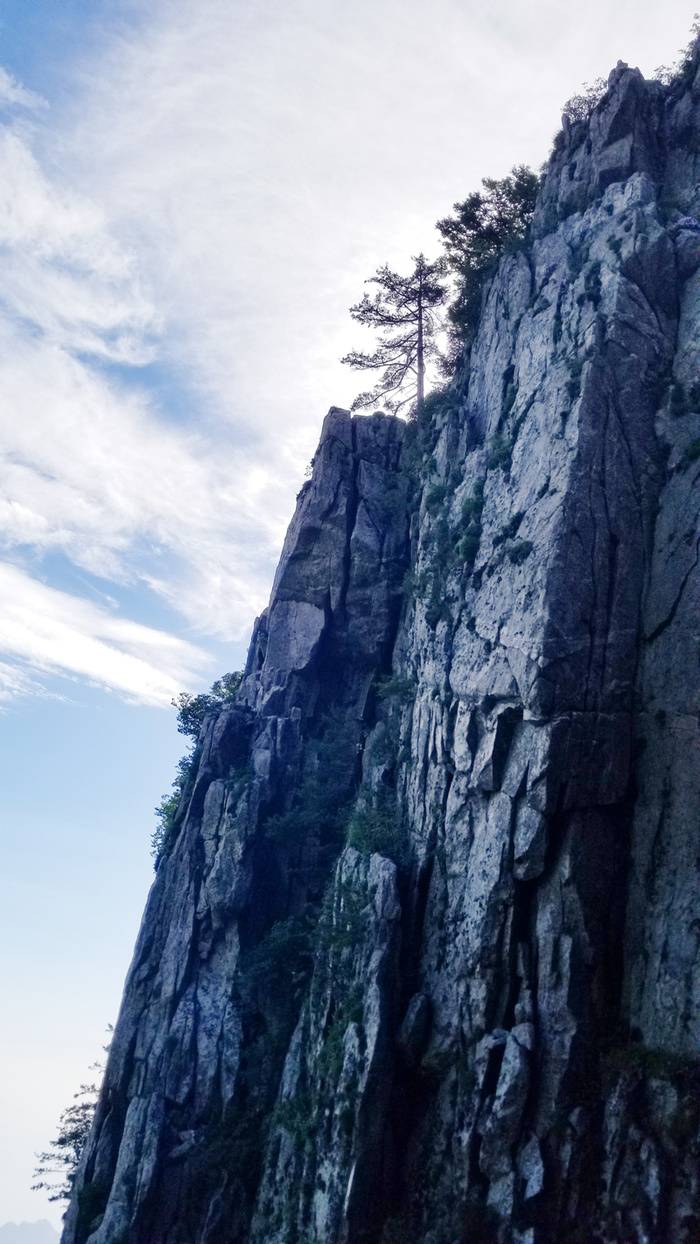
[
  {"x": 16, "y": 95},
  {"x": 90, "y": 470},
  {"x": 54, "y": 632},
  {"x": 16, "y": 681},
  {"x": 228, "y": 177}
]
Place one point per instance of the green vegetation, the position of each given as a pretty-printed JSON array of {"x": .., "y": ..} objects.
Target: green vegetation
[
  {"x": 509, "y": 529},
  {"x": 592, "y": 287},
  {"x": 470, "y": 527},
  {"x": 375, "y": 825},
  {"x": 488, "y": 224},
  {"x": 580, "y": 107},
  {"x": 191, "y": 711},
  {"x": 500, "y": 453},
  {"x": 58, "y": 1165},
  {"x": 682, "y": 69},
  {"x": 573, "y": 384},
  {"x": 275, "y": 972},
  {"x": 661, "y": 1064},
  {"x": 397, "y": 687},
  {"x": 164, "y": 835},
  {"x": 519, "y": 550},
  {"x": 321, "y": 803},
  {"x": 330, "y": 1056}
]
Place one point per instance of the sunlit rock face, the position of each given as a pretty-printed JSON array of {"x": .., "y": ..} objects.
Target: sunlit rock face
[{"x": 423, "y": 963}]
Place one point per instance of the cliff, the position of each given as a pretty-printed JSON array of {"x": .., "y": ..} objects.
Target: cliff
[{"x": 423, "y": 963}]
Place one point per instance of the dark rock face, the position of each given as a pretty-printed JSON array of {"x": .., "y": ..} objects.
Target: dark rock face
[{"x": 465, "y": 1006}]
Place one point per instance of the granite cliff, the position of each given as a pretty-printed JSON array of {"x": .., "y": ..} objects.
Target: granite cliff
[{"x": 423, "y": 964}]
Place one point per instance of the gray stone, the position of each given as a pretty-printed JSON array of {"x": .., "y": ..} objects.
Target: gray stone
[{"x": 503, "y": 1020}]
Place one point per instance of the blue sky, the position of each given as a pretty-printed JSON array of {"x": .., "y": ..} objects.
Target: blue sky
[{"x": 192, "y": 195}]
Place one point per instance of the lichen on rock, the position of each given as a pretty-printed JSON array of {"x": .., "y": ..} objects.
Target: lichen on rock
[{"x": 477, "y": 1017}]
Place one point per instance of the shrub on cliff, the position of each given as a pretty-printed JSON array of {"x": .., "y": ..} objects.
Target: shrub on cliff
[
  {"x": 487, "y": 224},
  {"x": 58, "y": 1165},
  {"x": 192, "y": 709},
  {"x": 580, "y": 106}
]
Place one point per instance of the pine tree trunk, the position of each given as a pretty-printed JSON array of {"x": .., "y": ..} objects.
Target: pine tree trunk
[{"x": 421, "y": 365}]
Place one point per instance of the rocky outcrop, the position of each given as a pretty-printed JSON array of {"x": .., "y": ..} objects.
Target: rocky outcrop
[{"x": 423, "y": 964}]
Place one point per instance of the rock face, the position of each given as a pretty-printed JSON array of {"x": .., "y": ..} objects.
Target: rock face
[{"x": 423, "y": 964}]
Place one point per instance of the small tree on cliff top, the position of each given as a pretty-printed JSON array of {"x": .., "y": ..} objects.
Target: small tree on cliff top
[
  {"x": 404, "y": 310},
  {"x": 58, "y": 1165},
  {"x": 484, "y": 227}
]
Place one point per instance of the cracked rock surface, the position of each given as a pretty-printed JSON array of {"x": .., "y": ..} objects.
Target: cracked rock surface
[{"x": 423, "y": 964}]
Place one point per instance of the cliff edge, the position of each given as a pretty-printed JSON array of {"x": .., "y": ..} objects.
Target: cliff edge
[{"x": 423, "y": 963}]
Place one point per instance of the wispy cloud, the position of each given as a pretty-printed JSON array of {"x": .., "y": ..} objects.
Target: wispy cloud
[
  {"x": 208, "y": 206},
  {"x": 55, "y": 632},
  {"x": 17, "y": 96}
]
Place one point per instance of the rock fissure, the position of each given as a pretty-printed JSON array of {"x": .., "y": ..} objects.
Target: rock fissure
[{"x": 429, "y": 970}]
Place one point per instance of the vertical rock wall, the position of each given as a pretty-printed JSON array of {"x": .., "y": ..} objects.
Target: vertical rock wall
[{"x": 423, "y": 964}]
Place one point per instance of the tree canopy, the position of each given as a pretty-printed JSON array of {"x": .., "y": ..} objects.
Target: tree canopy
[
  {"x": 404, "y": 309},
  {"x": 192, "y": 709},
  {"x": 58, "y": 1165},
  {"x": 484, "y": 226}
]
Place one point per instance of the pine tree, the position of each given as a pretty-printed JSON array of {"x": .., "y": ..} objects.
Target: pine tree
[
  {"x": 404, "y": 310},
  {"x": 58, "y": 1165},
  {"x": 487, "y": 224}
]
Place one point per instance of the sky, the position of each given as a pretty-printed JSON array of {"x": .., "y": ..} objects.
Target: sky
[{"x": 192, "y": 194}]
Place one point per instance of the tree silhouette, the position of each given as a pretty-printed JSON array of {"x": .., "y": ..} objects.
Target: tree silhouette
[
  {"x": 404, "y": 310},
  {"x": 58, "y": 1166},
  {"x": 487, "y": 224}
]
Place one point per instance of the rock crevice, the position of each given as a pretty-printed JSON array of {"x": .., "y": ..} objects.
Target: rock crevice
[{"x": 423, "y": 963}]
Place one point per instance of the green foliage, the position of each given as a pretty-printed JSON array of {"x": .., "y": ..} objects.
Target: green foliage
[
  {"x": 164, "y": 835},
  {"x": 297, "y": 1116},
  {"x": 573, "y": 384},
  {"x": 592, "y": 287},
  {"x": 397, "y": 687},
  {"x": 487, "y": 224},
  {"x": 469, "y": 532},
  {"x": 681, "y": 69},
  {"x": 578, "y": 260},
  {"x": 615, "y": 245},
  {"x": 519, "y": 550},
  {"x": 500, "y": 453},
  {"x": 415, "y": 583},
  {"x": 192, "y": 709},
  {"x": 404, "y": 312},
  {"x": 279, "y": 966},
  {"x": 509, "y": 529},
  {"x": 321, "y": 803},
  {"x": 468, "y": 546},
  {"x": 435, "y": 497},
  {"x": 473, "y": 505},
  {"x": 58, "y": 1165},
  {"x": 580, "y": 107},
  {"x": 375, "y": 825},
  {"x": 330, "y": 1055}
]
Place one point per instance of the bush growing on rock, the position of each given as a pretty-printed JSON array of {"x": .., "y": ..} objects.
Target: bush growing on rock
[{"x": 486, "y": 225}]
